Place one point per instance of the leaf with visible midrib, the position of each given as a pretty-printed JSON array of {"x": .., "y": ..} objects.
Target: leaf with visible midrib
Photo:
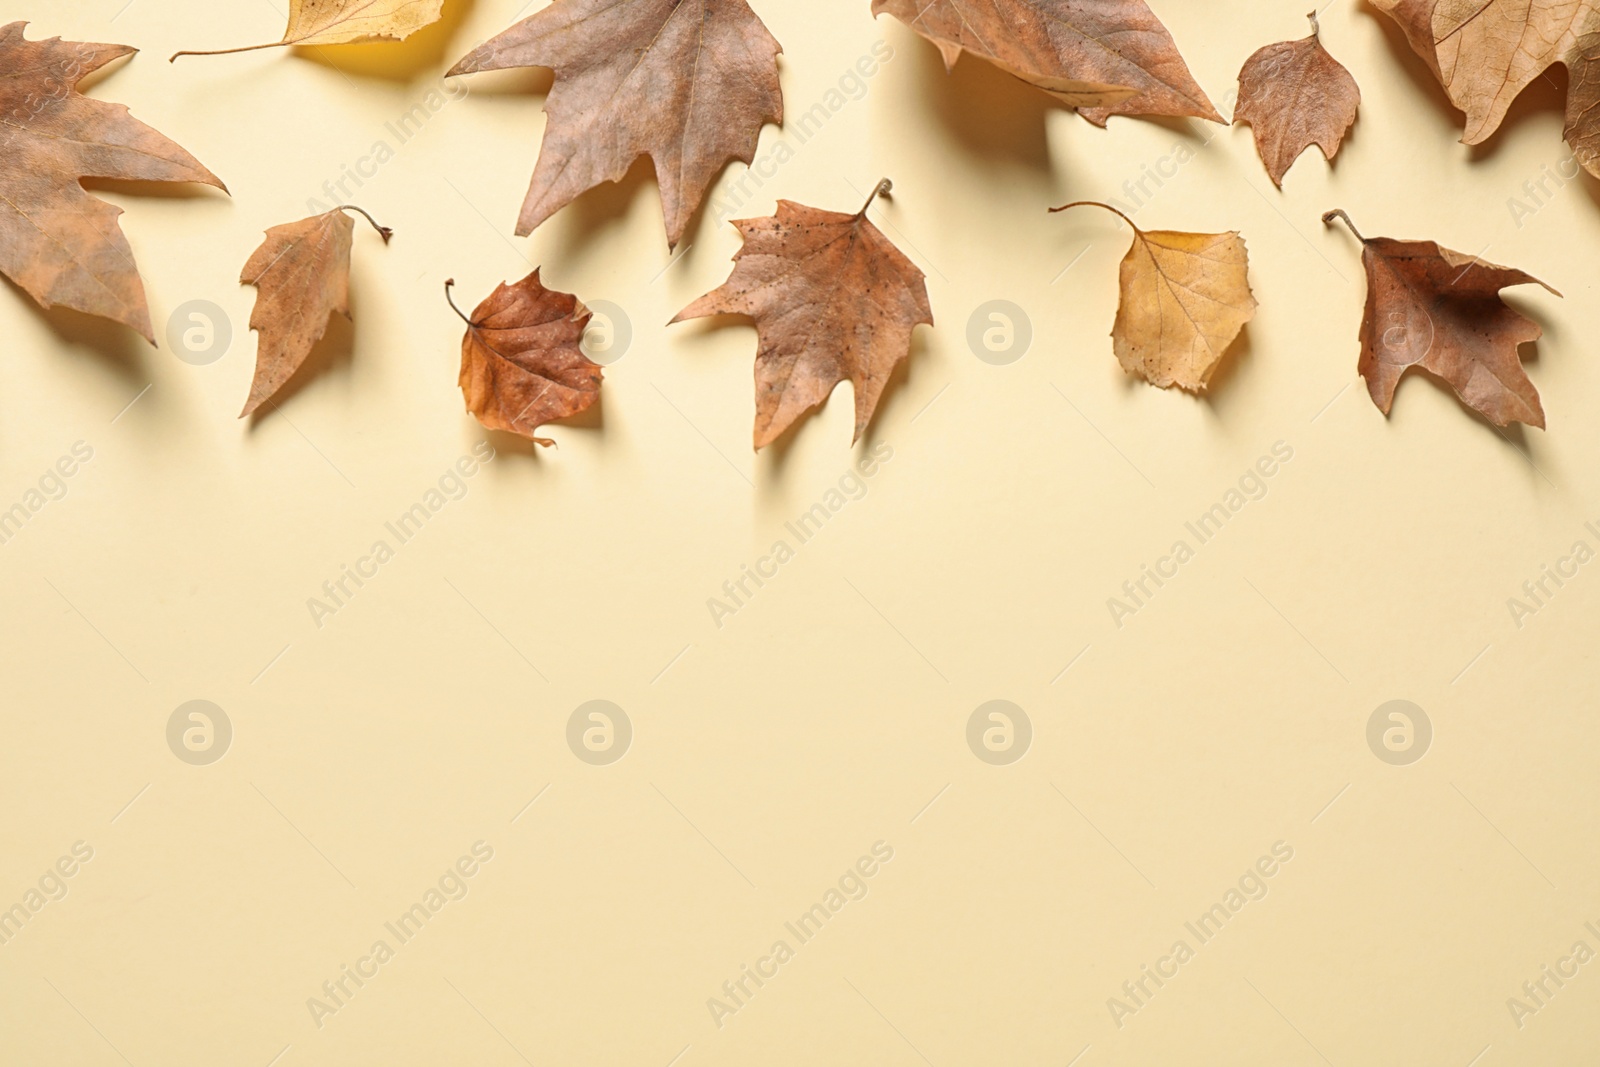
[
  {"x": 688, "y": 83},
  {"x": 59, "y": 244},
  {"x": 833, "y": 300},
  {"x": 302, "y": 277},
  {"x": 1185, "y": 300},
  {"x": 1295, "y": 95},
  {"x": 1486, "y": 52},
  {"x": 1439, "y": 310},
  {"x": 317, "y": 22},
  {"x": 521, "y": 361}
]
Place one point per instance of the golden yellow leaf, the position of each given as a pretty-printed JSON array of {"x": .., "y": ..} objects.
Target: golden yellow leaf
[
  {"x": 1185, "y": 299},
  {"x": 347, "y": 21}
]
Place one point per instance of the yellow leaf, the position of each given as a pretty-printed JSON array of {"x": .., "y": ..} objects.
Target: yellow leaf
[
  {"x": 345, "y": 21},
  {"x": 1185, "y": 299},
  {"x": 315, "y": 22}
]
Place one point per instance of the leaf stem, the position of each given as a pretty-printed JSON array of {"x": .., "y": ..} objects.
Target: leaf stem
[
  {"x": 1096, "y": 203},
  {"x": 1316, "y": 27},
  {"x": 1338, "y": 213},
  {"x": 883, "y": 188},
  {"x": 228, "y": 51},
  {"x": 383, "y": 231},
  {"x": 448, "y": 283}
]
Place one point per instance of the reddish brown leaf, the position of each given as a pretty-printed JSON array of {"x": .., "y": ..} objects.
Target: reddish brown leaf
[
  {"x": 521, "y": 366},
  {"x": 58, "y": 243},
  {"x": 833, "y": 300},
  {"x": 1295, "y": 95},
  {"x": 688, "y": 83},
  {"x": 1105, "y": 57},
  {"x": 1439, "y": 310},
  {"x": 302, "y": 276}
]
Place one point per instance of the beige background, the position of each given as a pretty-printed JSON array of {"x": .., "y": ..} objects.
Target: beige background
[{"x": 830, "y": 713}]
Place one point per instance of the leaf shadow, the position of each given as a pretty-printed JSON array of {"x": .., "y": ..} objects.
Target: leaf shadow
[
  {"x": 1547, "y": 95},
  {"x": 395, "y": 61},
  {"x": 1516, "y": 435},
  {"x": 1415, "y": 66},
  {"x": 775, "y": 457},
  {"x": 895, "y": 389},
  {"x": 1236, "y": 360},
  {"x": 578, "y": 225},
  {"x": 505, "y": 443},
  {"x": 95, "y": 77},
  {"x": 155, "y": 190},
  {"x": 332, "y": 358},
  {"x": 514, "y": 81},
  {"x": 117, "y": 346},
  {"x": 994, "y": 115}
]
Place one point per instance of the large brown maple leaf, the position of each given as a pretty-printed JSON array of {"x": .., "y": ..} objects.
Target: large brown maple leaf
[
  {"x": 1486, "y": 52},
  {"x": 833, "y": 299},
  {"x": 688, "y": 83},
  {"x": 1105, "y": 57},
  {"x": 58, "y": 243}
]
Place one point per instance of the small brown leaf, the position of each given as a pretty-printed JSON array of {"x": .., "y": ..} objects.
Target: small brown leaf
[
  {"x": 58, "y": 243},
  {"x": 302, "y": 276},
  {"x": 833, "y": 300},
  {"x": 1439, "y": 310},
  {"x": 1106, "y": 57},
  {"x": 521, "y": 365},
  {"x": 688, "y": 83},
  {"x": 1295, "y": 95},
  {"x": 1185, "y": 299},
  {"x": 314, "y": 22}
]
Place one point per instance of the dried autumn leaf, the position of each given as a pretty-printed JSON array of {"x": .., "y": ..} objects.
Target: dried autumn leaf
[
  {"x": 1105, "y": 57},
  {"x": 1486, "y": 52},
  {"x": 833, "y": 300},
  {"x": 1415, "y": 18},
  {"x": 1185, "y": 299},
  {"x": 1295, "y": 95},
  {"x": 521, "y": 366},
  {"x": 313, "y": 22},
  {"x": 58, "y": 243},
  {"x": 1439, "y": 310},
  {"x": 688, "y": 83},
  {"x": 302, "y": 276}
]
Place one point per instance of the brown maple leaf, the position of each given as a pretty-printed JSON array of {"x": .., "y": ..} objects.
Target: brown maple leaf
[
  {"x": 521, "y": 365},
  {"x": 313, "y": 22},
  {"x": 833, "y": 300},
  {"x": 1105, "y": 57},
  {"x": 302, "y": 276},
  {"x": 1295, "y": 95},
  {"x": 1486, "y": 52},
  {"x": 58, "y": 243},
  {"x": 1185, "y": 299},
  {"x": 1439, "y": 310},
  {"x": 688, "y": 83}
]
